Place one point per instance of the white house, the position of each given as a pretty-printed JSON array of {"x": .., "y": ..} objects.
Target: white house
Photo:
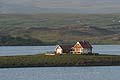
[{"x": 82, "y": 47}]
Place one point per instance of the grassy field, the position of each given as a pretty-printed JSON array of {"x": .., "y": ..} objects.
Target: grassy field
[
  {"x": 42, "y": 60},
  {"x": 59, "y": 28}
]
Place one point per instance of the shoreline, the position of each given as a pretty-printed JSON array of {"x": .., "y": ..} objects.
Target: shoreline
[{"x": 42, "y": 60}]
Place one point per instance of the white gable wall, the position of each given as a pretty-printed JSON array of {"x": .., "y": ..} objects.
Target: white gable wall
[{"x": 58, "y": 50}]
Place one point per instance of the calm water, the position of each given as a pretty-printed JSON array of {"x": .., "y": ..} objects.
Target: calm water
[
  {"x": 59, "y": 73},
  {"x": 23, "y": 50}
]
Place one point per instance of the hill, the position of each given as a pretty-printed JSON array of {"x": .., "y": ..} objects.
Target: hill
[{"x": 45, "y": 29}]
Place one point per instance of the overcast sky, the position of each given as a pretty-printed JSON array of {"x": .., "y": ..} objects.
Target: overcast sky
[{"x": 86, "y": 5}]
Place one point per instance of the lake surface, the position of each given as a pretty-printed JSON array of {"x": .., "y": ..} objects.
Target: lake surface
[
  {"x": 58, "y": 73},
  {"x": 29, "y": 50},
  {"x": 61, "y": 73}
]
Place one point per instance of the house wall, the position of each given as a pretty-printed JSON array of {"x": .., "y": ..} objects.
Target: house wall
[
  {"x": 77, "y": 48},
  {"x": 87, "y": 50},
  {"x": 59, "y": 50},
  {"x": 82, "y": 50}
]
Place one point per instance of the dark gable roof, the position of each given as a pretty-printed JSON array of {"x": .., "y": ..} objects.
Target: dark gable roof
[
  {"x": 85, "y": 44},
  {"x": 66, "y": 48}
]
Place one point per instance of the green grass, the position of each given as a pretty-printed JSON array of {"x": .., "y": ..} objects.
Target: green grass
[{"x": 42, "y": 60}]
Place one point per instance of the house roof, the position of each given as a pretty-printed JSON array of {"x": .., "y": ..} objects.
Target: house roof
[
  {"x": 85, "y": 44},
  {"x": 66, "y": 48}
]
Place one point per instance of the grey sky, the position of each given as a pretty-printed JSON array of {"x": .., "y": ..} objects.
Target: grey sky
[{"x": 86, "y": 5}]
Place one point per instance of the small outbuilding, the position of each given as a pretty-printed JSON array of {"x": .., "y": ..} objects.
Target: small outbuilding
[{"x": 82, "y": 47}]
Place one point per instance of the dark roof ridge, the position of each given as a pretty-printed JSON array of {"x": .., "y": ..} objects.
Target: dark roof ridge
[{"x": 85, "y": 44}]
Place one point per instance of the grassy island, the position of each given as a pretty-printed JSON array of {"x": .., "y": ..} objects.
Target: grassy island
[{"x": 42, "y": 60}]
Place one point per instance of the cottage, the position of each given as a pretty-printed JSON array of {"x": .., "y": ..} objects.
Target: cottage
[
  {"x": 82, "y": 47},
  {"x": 60, "y": 49}
]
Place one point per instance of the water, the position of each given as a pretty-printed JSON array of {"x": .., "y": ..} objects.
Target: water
[
  {"x": 29, "y": 50},
  {"x": 61, "y": 73},
  {"x": 24, "y": 50},
  {"x": 107, "y": 49}
]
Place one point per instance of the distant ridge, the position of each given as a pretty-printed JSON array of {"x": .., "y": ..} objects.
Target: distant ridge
[
  {"x": 60, "y": 6},
  {"x": 34, "y": 10},
  {"x": 59, "y": 28}
]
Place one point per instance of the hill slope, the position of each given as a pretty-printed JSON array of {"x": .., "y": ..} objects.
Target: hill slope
[{"x": 59, "y": 28}]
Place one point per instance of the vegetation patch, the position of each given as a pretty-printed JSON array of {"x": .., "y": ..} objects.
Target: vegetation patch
[{"x": 42, "y": 60}]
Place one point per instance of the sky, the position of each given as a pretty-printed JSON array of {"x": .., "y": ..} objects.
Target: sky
[{"x": 83, "y": 6}]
